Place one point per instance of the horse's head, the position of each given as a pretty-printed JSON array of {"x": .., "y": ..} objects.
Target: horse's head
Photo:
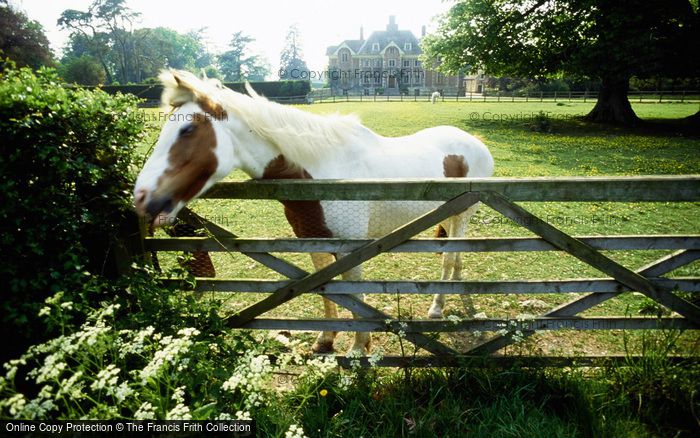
[{"x": 192, "y": 153}]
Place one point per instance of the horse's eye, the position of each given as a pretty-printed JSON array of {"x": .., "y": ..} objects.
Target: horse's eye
[{"x": 187, "y": 129}]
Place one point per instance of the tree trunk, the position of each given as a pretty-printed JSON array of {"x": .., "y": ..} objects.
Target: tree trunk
[{"x": 613, "y": 106}]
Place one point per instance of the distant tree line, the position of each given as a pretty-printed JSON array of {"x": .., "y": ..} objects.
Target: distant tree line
[{"x": 107, "y": 47}]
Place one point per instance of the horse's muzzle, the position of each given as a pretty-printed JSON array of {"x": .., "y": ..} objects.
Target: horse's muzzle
[{"x": 157, "y": 206}]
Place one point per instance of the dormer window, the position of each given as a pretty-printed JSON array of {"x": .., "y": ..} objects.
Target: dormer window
[
  {"x": 344, "y": 57},
  {"x": 375, "y": 47},
  {"x": 408, "y": 46}
]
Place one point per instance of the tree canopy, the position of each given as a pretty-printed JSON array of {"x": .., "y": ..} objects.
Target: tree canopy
[
  {"x": 291, "y": 58},
  {"x": 610, "y": 41},
  {"x": 23, "y": 40},
  {"x": 237, "y": 64}
]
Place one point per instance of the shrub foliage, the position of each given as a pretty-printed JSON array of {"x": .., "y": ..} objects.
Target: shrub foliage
[{"x": 64, "y": 188}]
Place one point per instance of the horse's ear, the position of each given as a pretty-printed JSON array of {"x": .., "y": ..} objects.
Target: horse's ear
[
  {"x": 249, "y": 89},
  {"x": 176, "y": 89}
]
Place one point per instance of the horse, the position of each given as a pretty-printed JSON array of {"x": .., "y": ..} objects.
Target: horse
[
  {"x": 213, "y": 130},
  {"x": 434, "y": 97}
]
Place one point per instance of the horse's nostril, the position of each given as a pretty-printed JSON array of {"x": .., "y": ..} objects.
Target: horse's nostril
[{"x": 159, "y": 205}]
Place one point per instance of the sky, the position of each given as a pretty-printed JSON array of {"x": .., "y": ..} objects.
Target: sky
[{"x": 321, "y": 23}]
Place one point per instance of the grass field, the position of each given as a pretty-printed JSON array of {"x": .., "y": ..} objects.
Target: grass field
[{"x": 571, "y": 147}]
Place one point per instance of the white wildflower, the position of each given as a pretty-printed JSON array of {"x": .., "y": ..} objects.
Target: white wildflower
[
  {"x": 145, "y": 412},
  {"x": 137, "y": 343},
  {"x": 481, "y": 315},
  {"x": 52, "y": 368},
  {"x": 121, "y": 392},
  {"x": 375, "y": 357},
  {"x": 179, "y": 412},
  {"x": 295, "y": 432},
  {"x": 45, "y": 311},
  {"x": 15, "y": 404},
  {"x": 320, "y": 366},
  {"x": 345, "y": 382},
  {"x": 179, "y": 395},
  {"x": 251, "y": 377},
  {"x": 171, "y": 353},
  {"x": 54, "y": 299},
  {"x": 46, "y": 392},
  {"x": 454, "y": 319},
  {"x": 243, "y": 415},
  {"x": 107, "y": 377}
]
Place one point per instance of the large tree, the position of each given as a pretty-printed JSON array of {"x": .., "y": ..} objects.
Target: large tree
[
  {"x": 607, "y": 40},
  {"x": 237, "y": 64},
  {"x": 109, "y": 26},
  {"x": 291, "y": 59},
  {"x": 21, "y": 39}
]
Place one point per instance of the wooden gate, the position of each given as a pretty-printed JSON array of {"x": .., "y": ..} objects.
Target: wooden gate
[{"x": 501, "y": 195}]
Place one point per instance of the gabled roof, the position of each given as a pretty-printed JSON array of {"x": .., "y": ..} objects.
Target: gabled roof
[
  {"x": 354, "y": 45},
  {"x": 384, "y": 38}
]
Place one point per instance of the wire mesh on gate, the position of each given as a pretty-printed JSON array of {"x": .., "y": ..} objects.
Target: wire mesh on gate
[{"x": 197, "y": 263}]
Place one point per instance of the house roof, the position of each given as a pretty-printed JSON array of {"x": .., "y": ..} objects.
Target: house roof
[
  {"x": 354, "y": 45},
  {"x": 384, "y": 38}
]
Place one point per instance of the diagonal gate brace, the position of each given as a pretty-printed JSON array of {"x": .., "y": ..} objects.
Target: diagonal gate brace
[{"x": 590, "y": 256}]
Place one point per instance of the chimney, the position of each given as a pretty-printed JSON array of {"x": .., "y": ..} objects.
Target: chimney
[
  {"x": 392, "y": 27},
  {"x": 422, "y": 31},
  {"x": 362, "y": 33}
]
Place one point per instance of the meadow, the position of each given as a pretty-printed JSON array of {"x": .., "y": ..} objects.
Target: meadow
[{"x": 526, "y": 139}]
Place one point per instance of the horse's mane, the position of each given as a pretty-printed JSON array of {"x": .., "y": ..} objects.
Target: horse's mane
[{"x": 300, "y": 136}]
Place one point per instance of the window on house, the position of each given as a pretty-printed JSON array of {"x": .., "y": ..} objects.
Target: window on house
[
  {"x": 406, "y": 63},
  {"x": 366, "y": 62},
  {"x": 377, "y": 79},
  {"x": 344, "y": 57},
  {"x": 405, "y": 79},
  {"x": 408, "y": 46},
  {"x": 416, "y": 63},
  {"x": 375, "y": 47},
  {"x": 377, "y": 62},
  {"x": 392, "y": 63}
]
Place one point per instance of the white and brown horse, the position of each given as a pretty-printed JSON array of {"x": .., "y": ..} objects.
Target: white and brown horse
[{"x": 214, "y": 130}]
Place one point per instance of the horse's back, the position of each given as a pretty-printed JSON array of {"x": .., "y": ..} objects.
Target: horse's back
[{"x": 425, "y": 154}]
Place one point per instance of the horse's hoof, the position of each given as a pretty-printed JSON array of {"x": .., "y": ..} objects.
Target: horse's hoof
[
  {"x": 323, "y": 348},
  {"x": 435, "y": 313}
]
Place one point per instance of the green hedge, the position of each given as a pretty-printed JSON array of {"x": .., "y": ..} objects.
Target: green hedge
[
  {"x": 278, "y": 90},
  {"x": 65, "y": 188}
]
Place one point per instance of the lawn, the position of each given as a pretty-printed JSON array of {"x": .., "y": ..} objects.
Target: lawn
[{"x": 571, "y": 147}]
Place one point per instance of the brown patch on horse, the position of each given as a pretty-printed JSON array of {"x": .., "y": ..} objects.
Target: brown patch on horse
[
  {"x": 191, "y": 159},
  {"x": 454, "y": 166},
  {"x": 440, "y": 232},
  {"x": 212, "y": 108},
  {"x": 305, "y": 217}
]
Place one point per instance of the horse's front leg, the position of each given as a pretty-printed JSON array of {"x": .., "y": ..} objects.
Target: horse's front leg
[
  {"x": 363, "y": 340},
  {"x": 324, "y": 341}
]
